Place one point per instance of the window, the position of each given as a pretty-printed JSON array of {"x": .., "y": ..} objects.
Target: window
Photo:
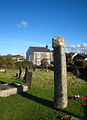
[{"x": 38, "y": 62}]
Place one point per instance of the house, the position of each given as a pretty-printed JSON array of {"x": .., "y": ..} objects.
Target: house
[
  {"x": 17, "y": 58},
  {"x": 36, "y": 54}
]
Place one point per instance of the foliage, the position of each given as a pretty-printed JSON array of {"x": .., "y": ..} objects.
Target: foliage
[
  {"x": 44, "y": 63},
  {"x": 6, "y": 61},
  {"x": 76, "y": 66},
  {"x": 23, "y": 64},
  {"x": 81, "y": 63},
  {"x": 85, "y": 55},
  {"x": 1, "y": 61},
  {"x": 69, "y": 59},
  {"x": 51, "y": 66}
]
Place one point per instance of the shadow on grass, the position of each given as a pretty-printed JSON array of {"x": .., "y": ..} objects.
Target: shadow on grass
[
  {"x": 45, "y": 102},
  {"x": 85, "y": 109},
  {"x": 2, "y": 82},
  {"x": 83, "y": 77}
]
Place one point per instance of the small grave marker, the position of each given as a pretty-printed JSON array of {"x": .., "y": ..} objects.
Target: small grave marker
[
  {"x": 26, "y": 72},
  {"x": 20, "y": 72},
  {"x": 29, "y": 79}
]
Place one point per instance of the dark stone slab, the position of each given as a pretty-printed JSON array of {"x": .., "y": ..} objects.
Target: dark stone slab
[{"x": 29, "y": 79}]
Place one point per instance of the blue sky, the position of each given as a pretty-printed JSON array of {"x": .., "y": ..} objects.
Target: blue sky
[{"x": 25, "y": 23}]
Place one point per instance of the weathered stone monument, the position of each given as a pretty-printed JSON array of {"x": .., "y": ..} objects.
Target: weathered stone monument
[{"x": 60, "y": 74}]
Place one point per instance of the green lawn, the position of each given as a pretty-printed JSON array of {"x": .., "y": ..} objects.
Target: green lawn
[{"x": 37, "y": 103}]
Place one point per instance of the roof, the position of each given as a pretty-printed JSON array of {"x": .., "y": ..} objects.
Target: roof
[{"x": 40, "y": 49}]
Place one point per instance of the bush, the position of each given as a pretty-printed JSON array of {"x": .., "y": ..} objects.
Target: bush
[
  {"x": 6, "y": 61},
  {"x": 81, "y": 63},
  {"x": 23, "y": 64},
  {"x": 70, "y": 68},
  {"x": 51, "y": 66},
  {"x": 76, "y": 72},
  {"x": 69, "y": 59},
  {"x": 83, "y": 71},
  {"x": 44, "y": 63},
  {"x": 1, "y": 61}
]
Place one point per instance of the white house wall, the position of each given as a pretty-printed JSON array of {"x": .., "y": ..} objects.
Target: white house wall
[{"x": 36, "y": 57}]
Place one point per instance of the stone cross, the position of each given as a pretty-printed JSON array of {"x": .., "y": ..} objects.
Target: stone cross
[{"x": 60, "y": 74}]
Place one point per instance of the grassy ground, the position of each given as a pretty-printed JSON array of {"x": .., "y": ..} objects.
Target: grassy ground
[{"x": 37, "y": 103}]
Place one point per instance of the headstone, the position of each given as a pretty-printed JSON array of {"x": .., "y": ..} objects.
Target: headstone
[
  {"x": 29, "y": 79},
  {"x": 20, "y": 71},
  {"x": 26, "y": 72},
  {"x": 34, "y": 68},
  {"x": 60, "y": 74}
]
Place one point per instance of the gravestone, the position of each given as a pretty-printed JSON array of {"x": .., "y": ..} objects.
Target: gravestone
[
  {"x": 60, "y": 74},
  {"x": 34, "y": 68},
  {"x": 20, "y": 72},
  {"x": 26, "y": 72},
  {"x": 29, "y": 79}
]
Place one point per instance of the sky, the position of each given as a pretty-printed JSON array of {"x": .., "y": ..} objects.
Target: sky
[{"x": 25, "y": 23}]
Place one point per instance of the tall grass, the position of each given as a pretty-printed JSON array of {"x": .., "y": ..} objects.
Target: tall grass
[{"x": 37, "y": 102}]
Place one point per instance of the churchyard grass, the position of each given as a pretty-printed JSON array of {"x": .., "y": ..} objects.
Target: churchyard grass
[{"x": 37, "y": 102}]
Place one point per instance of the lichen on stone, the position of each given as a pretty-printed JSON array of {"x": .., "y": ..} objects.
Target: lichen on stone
[{"x": 57, "y": 40}]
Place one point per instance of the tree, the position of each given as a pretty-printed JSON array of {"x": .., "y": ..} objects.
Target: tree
[
  {"x": 1, "y": 61},
  {"x": 6, "y": 61},
  {"x": 44, "y": 63},
  {"x": 69, "y": 59}
]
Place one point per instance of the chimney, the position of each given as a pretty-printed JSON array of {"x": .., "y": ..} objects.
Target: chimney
[{"x": 46, "y": 46}]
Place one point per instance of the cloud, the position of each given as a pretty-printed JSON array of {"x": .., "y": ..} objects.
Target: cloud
[
  {"x": 22, "y": 24},
  {"x": 77, "y": 48},
  {"x": 84, "y": 45},
  {"x": 72, "y": 46}
]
